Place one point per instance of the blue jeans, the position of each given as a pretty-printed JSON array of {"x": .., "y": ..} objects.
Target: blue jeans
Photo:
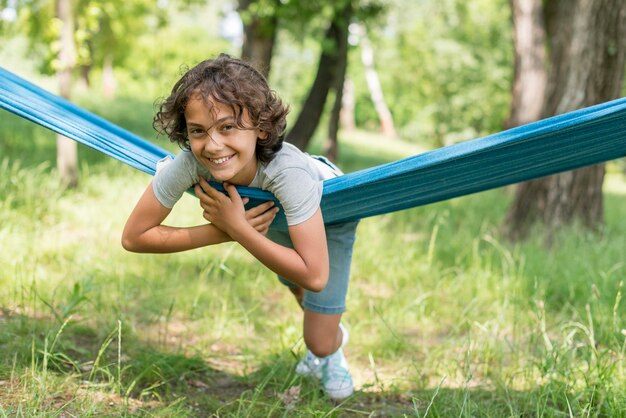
[{"x": 331, "y": 300}]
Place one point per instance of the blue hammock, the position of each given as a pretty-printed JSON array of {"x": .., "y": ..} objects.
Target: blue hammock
[{"x": 561, "y": 143}]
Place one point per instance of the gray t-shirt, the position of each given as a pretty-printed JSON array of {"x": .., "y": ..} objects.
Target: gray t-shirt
[{"x": 294, "y": 177}]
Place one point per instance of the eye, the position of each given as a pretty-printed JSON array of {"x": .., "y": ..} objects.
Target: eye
[
  {"x": 227, "y": 127},
  {"x": 196, "y": 132}
]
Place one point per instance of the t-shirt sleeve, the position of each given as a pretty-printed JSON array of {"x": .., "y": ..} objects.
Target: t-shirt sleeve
[
  {"x": 174, "y": 177},
  {"x": 298, "y": 193}
]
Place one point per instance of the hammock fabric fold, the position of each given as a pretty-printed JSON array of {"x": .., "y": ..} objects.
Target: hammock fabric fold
[{"x": 584, "y": 137}]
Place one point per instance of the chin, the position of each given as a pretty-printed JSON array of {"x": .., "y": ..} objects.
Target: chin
[{"x": 220, "y": 178}]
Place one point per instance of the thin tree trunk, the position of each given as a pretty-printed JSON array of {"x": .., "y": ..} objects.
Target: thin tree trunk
[
  {"x": 387, "y": 127},
  {"x": 309, "y": 117},
  {"x": 259, "y": 37},
  {"x": 331, "y": 148},
  {"x": 109, "y": 84},
  {"x": 67, "y": 154},
  {"x": 347, "y": 106},
  {"x": 84, "y": 80},
  {"x": 587, "y": 55},
  {"x": 85, "y": 77}
]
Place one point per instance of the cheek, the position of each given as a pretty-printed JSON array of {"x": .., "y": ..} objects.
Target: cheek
[{"x": 196, "y": 148}]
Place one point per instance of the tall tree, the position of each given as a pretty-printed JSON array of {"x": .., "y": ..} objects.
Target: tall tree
[
  {"x": 387, "y": 127},
  {"x": 67, "y": 154},
  {"x": 587, "y": 51},
  {"x": 331, "y": 147},
  {"x": 346, "y": 115},
  {"x": 530, "y": 75},
  {"x": 260, "y": 18},
  {"x": 85, "y": 32},
  {"x": 329, "y": 70}
]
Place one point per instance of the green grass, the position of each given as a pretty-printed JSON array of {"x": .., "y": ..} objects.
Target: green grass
[{"x": 446, "y": 317}]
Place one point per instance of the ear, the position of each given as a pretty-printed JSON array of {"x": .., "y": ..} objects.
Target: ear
[{"x": 262, "y": 135}]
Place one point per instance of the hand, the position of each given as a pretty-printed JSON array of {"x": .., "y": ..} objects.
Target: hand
[
  {"x": 228, "y": 212},
  {"x": 225, "y": 212},
  {"x": 261, "y": 217}
]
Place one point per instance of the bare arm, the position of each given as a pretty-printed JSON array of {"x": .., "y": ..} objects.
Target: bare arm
[
  {"x": 145, "y": 233},
  {"x": 306, "y": 264}
]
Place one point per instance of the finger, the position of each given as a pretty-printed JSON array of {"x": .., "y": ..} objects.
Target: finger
[
  {"x": 208, "y": 189},
  {"x": 263, "y": 207},
  {"x": 266, "y": 218},
  {"x": 203, "y": 198},
  {"x": 257, "y": 210},
  {"x": 245, "y": 200},
  {"x": 198, "y": 190},
  {"x": 206, "y": 206},
  {"x": 232, "y": 192},
  {"x": 201, "y": 193},
  {"x": 204, "y": 185}
]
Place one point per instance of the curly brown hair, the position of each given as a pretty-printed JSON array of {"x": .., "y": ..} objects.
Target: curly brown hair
[{"x": 234, "y": 83}]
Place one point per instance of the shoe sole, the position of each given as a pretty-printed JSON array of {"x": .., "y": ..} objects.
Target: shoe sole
[{"x": 340, "y": 395}]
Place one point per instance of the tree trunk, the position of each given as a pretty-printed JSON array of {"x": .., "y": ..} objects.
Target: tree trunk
[
  {"x": 259, "y": 36},
  {"x": 529, "y": 74},
  {"x": 84, "y": 82},
  {"x": 84, "y": 69},
  {"x": 347, "y": 106},
  {"x": 528, "y": 94},
  {"x": 376, "y": 92},
  {"x": 387, "y": 127},
  {"x": 331, "y": 148},
  {"x": 109, "y": 84},
  {"x": 330, "y": 60},
  {"x": 67, "y": 155},
  {"x": 587, "y": 42}
]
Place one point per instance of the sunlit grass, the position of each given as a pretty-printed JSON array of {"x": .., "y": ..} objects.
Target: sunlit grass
[{"x": 447, "y": 318}]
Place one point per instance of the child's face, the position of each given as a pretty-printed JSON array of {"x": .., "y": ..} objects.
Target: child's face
[{"x": 218, "y": 144}]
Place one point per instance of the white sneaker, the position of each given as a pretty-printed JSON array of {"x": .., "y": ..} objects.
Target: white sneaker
[
  {"x": 336, "y": 378},
  {"x": 311, "y": 365},
  {"x": 332, "y": 370},
  {"x": 345, "y": 335}
]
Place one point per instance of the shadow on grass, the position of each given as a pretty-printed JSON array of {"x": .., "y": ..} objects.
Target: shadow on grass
[
  {"x": 154, "y": 380},
  {"x": 279, "y": 392},
  {"x": 81, "y": 354}
]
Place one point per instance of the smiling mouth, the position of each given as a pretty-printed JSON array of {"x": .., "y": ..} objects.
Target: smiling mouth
[{"x": 221, "y": 160}]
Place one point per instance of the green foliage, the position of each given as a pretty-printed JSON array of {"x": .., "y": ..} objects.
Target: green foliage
[
  {"x": 445, "y": 69},
  {"x": 109, "y": 29},
  {"x": 445, "y": 66},
  {"x": 37, "y": 21},
  {"x": 164, "y": 57},
  {"x": 103, "y": 29}
]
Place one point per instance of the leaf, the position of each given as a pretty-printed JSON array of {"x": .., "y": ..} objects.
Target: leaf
[{"x": 290, "y": 397}]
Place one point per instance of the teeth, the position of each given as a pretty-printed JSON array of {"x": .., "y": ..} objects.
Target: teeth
[{"x": 219, "y": 160}]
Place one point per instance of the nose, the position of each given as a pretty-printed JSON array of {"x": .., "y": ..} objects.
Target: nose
[{"x": 213, "y": 143}]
